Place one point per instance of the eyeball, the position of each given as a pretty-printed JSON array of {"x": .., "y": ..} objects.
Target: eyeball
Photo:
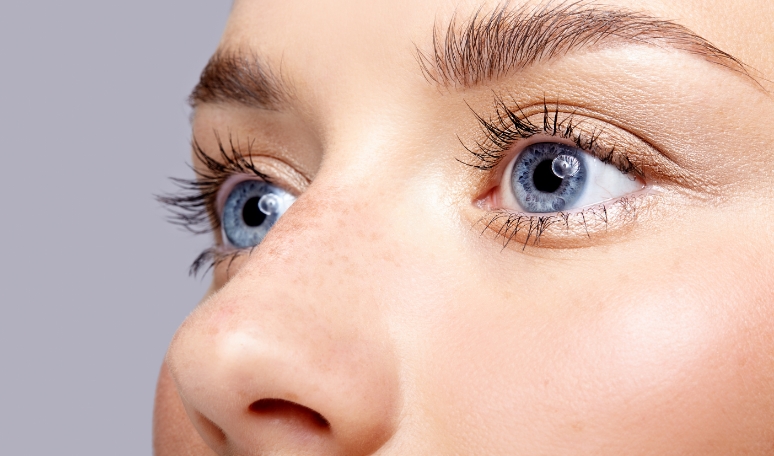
[
  {"x": 554, "y": 177},
  {"x": 250, "y": 210}
]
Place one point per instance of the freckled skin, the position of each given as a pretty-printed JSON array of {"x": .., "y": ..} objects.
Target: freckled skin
[{"x": 379, "y": 303}]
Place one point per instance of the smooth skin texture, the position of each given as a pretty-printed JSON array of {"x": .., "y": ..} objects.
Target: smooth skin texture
[{"x": 381, "y": 316}]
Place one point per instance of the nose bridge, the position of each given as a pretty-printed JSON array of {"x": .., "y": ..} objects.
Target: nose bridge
[{"x": 293, "y": 351}]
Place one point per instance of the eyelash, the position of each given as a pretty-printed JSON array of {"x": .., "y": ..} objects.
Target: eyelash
[
  {"x": 193, "y": 207},
  {"x": 511, "y": 125}
]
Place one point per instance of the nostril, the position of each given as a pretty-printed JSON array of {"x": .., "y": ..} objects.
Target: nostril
[{"x": 290, "y": 411}]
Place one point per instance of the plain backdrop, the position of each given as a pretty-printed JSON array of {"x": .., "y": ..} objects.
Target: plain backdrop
[{"x": 94, "y": 282}]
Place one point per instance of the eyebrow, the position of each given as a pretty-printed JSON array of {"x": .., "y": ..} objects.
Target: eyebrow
[
  {"x": 489, "y": 46},
  {"x": 235, "y": 76}
]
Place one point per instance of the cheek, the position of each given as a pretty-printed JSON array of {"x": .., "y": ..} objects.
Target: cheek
[{"x": 673, "y": 364}]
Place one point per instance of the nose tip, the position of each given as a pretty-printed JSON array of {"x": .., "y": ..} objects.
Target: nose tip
[{"x": 285, "y": 380}]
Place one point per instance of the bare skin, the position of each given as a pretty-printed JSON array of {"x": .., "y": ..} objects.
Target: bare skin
[{"x": 395, "y": 309}]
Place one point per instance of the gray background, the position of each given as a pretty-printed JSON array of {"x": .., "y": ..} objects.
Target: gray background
[{"x": 93, "y": 120}]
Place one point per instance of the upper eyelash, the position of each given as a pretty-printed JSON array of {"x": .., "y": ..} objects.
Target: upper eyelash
[
  {"x": 194, "y": 206},
  {"x": 509, "y": 125}
]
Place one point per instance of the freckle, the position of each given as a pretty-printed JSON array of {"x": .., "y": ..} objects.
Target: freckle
[
  {"x": 357, "y": 207},
  {"x": 390, "y": 258},
  {"x": 577, "y": 427}
]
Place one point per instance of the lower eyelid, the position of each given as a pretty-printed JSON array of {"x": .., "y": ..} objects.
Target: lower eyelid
[
  {"x": 599, "y": 223},
  {"x": 226, "y": 262}
]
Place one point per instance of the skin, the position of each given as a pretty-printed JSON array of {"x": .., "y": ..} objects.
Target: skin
[{"x": 381, "y": 302}]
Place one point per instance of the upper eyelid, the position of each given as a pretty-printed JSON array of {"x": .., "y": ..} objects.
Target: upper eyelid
[
  {"x": 194, "y": 205},
  {"x": 235, "y": 167},
  {"x": 510, "y": 123}
]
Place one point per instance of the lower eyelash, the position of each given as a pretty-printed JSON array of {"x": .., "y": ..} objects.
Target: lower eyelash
[
  {"x": 530, "y": 228},
  {"x": 215, "y": 256}
]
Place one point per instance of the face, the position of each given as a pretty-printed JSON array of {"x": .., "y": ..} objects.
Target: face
[{"x": 478, "y": 228}]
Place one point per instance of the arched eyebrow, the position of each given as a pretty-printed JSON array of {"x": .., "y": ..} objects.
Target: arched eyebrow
[
  {"x": 233, "y": 76},
  {"x": 488, "y": 46}
]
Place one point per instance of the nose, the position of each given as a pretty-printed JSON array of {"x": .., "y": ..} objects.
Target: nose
[{"x": 292, "y": 355}]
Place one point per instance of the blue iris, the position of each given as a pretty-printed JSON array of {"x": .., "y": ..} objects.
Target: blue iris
[
  {"x": 536, "y": 186},
  {"x": 251, "y": 209}
]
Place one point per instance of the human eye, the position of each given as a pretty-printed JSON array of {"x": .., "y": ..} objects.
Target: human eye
[
  {"x": 233, "y": 197},
  {"x": 552, "y": 177},
  {"x": 560, "y": 178},
  {"x": 251, "y": 208}
]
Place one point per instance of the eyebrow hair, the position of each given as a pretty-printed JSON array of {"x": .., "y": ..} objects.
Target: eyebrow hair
[
  {"x": 234, "y": 76},
  {"x": 489, "y": 46}
]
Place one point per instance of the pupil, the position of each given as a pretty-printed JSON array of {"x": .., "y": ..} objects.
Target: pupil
[
  {"x": 251, "y": 214},
  {"x": 544, "y": 178}
]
